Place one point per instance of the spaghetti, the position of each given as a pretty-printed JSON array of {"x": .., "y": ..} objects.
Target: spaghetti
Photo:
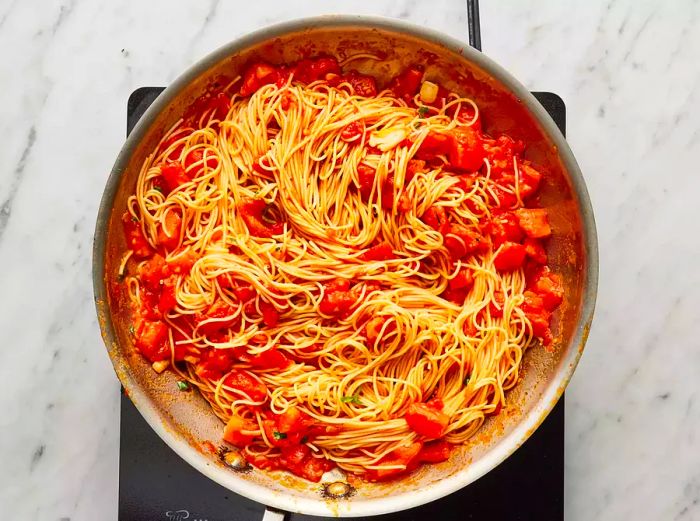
[{"x": 349, "y": 277}]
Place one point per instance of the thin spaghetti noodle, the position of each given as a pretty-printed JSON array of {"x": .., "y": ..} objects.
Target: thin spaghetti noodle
[{"x": 349, "y": 278}]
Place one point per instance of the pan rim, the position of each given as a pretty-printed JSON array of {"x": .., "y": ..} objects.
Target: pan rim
[{"x": 495, "y": 455}]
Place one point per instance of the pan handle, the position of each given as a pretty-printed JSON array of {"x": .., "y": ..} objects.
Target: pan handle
[
  {"x": 274, "y": 515},
  {"x": 474, "y": 24}
]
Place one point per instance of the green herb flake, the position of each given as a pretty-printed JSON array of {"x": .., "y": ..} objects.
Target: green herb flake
[
  {"x": 183, "y": 385},
  {"x": 279, "y": 435},
  {"x": 417, "y": 125},
  {"x": 132, "y": 330},
  {"x": 158, "y": 189},
  {"x": 135, "y": 219},
  {"x": 466, "y": 380},
  {"x": 423, "y": 111},
  {"x": 351, "y": 399},
  {"x": 304, "y": 440}
]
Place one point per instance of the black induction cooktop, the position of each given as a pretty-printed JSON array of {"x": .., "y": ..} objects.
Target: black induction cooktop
[{"x": 155, "y": 484}]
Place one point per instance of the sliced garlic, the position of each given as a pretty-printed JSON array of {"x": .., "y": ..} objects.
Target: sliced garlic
[
  {"x": 387, "y": 138},
  {"x": 428, "y": 92},
  {"x": 160, "y": 365}
]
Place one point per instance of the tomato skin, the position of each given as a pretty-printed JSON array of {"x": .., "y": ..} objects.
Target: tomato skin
[
  {"x": 381, "y": 252},
  {"x": 310, "y": 70},
  {"x": 413, "y": 167},
  {"x": 244, "y": 292},
  {"x": 244, "y": 382},
  {"x": 466, "y": 150},
  {"x": 353, "y": 131},
  {"x": 257, "y": 75},
  {"x": 173, "y": 175},
  {"x": 504, "y": 227},
  {"x": 233, "y": 434},
  {"x": 497, "y": 304},
  {"x": 194, "y": 162},
  {"x": 183, "y": 262},
  {"x": 529, "y": 180},
  {"x": 151, "y": 339},
  {"x": 252, "y": 211},
  {"x": 361, "y": 84},
  {"x": 269, "y": 313},
  {"x": 510, "y": 257},
  {"x": 538, "y": 315},
  {"x": 435, "y": 452},
  {"x": 434, "y": 144},
  {"x": 427, "y": 420},
  {"x": 387, "y": 198},
  {"x": 463, "y": 280},
  {"x": 548, "y": 285},
  {"x": 436, "y": 218},
  {"x": 534, "y": 222},
  {"x": 135, "y": 239},
  {"x": 365, "y": 178},
  {"x": 407, "y": 84},
  {"x": 500, "y": 152}
]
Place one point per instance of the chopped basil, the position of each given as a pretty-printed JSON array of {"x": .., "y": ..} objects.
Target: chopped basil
[
  {"x": 417, "y": 124},
  {"x": 422, "y": 111},
  {"x": 132, "y": 330},
  {"x": 182, "y": 385},
  {"x": 351, "y": 399},
  {"x": 158, "y": 189},
  {"x": 279, "y": 435},
  {"x": 135, "y": 219}
]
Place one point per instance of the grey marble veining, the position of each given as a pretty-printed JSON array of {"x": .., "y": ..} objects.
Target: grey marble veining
[{"x": 630, "y": 75}]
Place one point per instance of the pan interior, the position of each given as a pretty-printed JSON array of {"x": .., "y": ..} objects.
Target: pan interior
[{"x": 185, "y": 420}]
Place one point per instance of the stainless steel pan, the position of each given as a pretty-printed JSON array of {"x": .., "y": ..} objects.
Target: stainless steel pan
[{"x": 184, "y": 421}]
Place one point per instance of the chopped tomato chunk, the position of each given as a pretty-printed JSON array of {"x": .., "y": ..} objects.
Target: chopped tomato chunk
[
  {"x": 504, "y": 227},
  {"x": 466, "y": 150},
  {"x": 380, "y": 252},
  {"x": 427, "y": 420},
  {"x": 173, "y": 175},
  {"x": 365, "y": 178},
  {"x": 169, "y": 230},
  {"x": 168, "y": 300},
  {"x": 463, "y": 279},
  {"x": 434, "y": 144},
  {"x": 233, "y": 431},
  {"x": 353, "y": 131},
  {"x": 151, "y": 339},
  {"x": 135, "y": 239},
  {"x": 403, "y": 459},
  {"x": 220, "y": 315},
  {"x": 257, "y": 75},
  {"x": 534, "y": 222},
  {"x": 461, "y": 241},
  {"x": 529, "y": 180},
  {"x": 271, "y": 359},
  {"x": 253, "y": 213},
  {"x": 436, "y": 218},
  {"x": 310, "y": 70},
  {"x": 407, "y": 84},
  {"x": 246, "y": 383},
  {"x": 337, "y": 299},
  {"x": 510, "y": 257},
  {"x": 548, "y": 286},
  {"x": 435, "y": 452},
  {"x": 535, "y": 251},
  {"x": 362, "y": 85}
]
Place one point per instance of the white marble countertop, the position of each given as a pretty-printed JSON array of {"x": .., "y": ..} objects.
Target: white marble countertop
[{"x": 630, "y": 74}]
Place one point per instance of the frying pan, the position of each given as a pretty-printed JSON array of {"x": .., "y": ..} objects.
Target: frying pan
[{"x": 184, "y": 420}]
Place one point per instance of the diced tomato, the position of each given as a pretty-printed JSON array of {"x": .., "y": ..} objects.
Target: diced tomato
[
  {"x": 253, "y": 213},
  {"x": 310, "y": 70},
  {"x": 413, "y": 167},
  {"x": 246, "y": 383},
  {"x": 381, "y": 252},
  {"x": 500, "y": 152},
  {"x": 466, "y": 149},
  {"x": 244, "y": 292},
  {"x": 168, "y": 300},
  {"x": 353, "y": 131},
  {"x": 497, "y": 304},
  {"x": 435, "y": 452},
  {"x": 177, "y": 151},
  {"x": 455, "y": 295},
  {"x": 269, "y": 313},
  {"x": 135, "y": 239},
  {"x": 529, "y": 180},
  {"x": 173, "y": 175},
  {"x": 538, "y": 315},
  {"x": 233, "y": 431},
  {"x": 299, "y": 461},
  {"x": 503, "y": 227},
  {"x": 151, "y": 339},
  {"x": 214, "y": 363},
  {"x": 183, "y": 262},
  {"x": 271, "y": 359},
  {"x": 362, "y": 85},
  {"x": 337, "y": 299},
  {"x": 463, "y": 280},
  {"x": 461, "y": 241},
  {"x": 313, "y": 468},
  {"x": 502, "y": 198},
  {"x": 388, "y": 193},
  {"x": 153, "y": 271},
  {"x": 169, "y": 230},
  {"x": 407, "y": 84},
  {"x": 404, "y": 456},
  {"x": 365, "y": 178},
  {"x": 534, "y": 222},
  {"x": 510, "y": 257},
  {"x": 434, "y": 144},
  {"x": 427, "y": 420},
  {"x": 535, "y": 251},
  {"x": 436, "y": 218},
  {"x": 257, "y": 75},
  {"x": 218, "y": 316},
  {"x": 374, "y": 328},
  {"x": 293, "y": 420},
  {"x": 194, "y": 161},
  {"x": 548, "y": 286},
  {"x": 262, "y": 462}
]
